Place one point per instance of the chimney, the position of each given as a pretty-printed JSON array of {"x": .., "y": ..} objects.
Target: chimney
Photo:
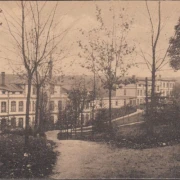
[
  {"x": 50, "y": 69},
  {"x": 3, "y": 78}
]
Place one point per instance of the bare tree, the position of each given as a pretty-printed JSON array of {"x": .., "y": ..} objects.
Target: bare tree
[
  {"x": 107, "y": 52},
  {"x": 153, "y": 62},
  {"x": 40, "y": 79},
  {"x": 33, "y": 43}
]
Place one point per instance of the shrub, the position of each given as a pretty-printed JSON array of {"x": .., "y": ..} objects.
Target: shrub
[
  {"x": 14, "y": 163},
  {"x": 17, "y": 131}
]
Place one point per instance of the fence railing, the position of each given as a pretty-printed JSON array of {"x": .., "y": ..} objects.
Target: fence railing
[{"x": 125, "y": 120}]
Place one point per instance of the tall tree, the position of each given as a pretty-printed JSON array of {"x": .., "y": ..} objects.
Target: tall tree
[
  {"x": 33, "y": 42},
  {"x": 153, "y": 62},
  {"x": 107, "y": 51},
  {"x": 40, "y": 79}
]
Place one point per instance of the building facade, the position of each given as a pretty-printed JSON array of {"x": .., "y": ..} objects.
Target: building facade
[
  {"x": 13, "y": 93},
  {"x": 137, "y": 91}
]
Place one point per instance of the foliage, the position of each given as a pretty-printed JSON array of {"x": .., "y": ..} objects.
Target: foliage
[
  {"x": 174, "y": 48},
  {"x": 102, "y": 117},
  {"x": 107, "y": 53},
  {"x": 100, "y": 122},
  {"x": 17, "y": 131},
  {"x": 37, "y": 163},
  {"x": 117, "y": 112}
]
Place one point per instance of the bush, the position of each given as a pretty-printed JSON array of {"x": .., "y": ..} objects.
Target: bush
[
  {"x": 100, "y": 123},
  {"x": 15, "y": 131},
  {"x": 14, "y": 163}
]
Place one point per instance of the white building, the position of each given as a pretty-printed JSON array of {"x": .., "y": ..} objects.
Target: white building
[
  {"x": 137, "y": 91},
  {"x": 13, "y": 93}
]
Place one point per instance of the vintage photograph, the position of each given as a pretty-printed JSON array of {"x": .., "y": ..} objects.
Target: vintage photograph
[{"x": 90, "y": 89}]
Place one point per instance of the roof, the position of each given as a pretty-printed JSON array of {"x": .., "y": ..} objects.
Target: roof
[
  {"x": 11, "y": 87},
  {"x": 10, "y": 84}
]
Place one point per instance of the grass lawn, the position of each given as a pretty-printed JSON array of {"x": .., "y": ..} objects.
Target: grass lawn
[{"x": 14, "y": 163}]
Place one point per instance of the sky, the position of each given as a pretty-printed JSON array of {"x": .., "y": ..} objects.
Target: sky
[{"x": 81, "y": 15}]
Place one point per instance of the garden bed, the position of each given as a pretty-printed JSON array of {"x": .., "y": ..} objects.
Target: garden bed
[{"x": 37, "y": 163}]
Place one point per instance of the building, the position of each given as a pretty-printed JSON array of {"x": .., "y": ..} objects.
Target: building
[
  {"x": 13, "y": 93},
  {"x": 137, "y": 91}
]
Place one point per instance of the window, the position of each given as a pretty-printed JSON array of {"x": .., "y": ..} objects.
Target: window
[
  {"x": 141, "y": 93},
  {"x": 3, "y": 92},
  {"x": 21, "y": 92},
  {"x": 164, "y": 84},
  {"x": 13, "y": 122},
  {"x": 157, "y": 88},
  {"x": 138, "y": 92},
  {"x": 33, "y": 106},
  {"x": 137, "y": 101},
  {"x": 13, "y": 106},
  {"x": 124, "y": 102},
  {"x": 52, "y": 89},
  {"x": 124, "y": 91},
  {"x": 60, "y": 105},
  {"x": 3, "y": 107},
  {"x": 13, "y": 92},
  {"x": 130, "y": 102},
  {"x": 167, "y": 85},
  {"x": 20, "y": 123},
  {"x": 51, "y": 106},
  {"x": 20, "y": 106},
  {"x": 87, "y": 105},
  {"x": 116, "y": 103}
]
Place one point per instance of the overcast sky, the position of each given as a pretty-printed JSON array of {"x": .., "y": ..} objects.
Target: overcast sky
[{"x": 82, "y": 14}]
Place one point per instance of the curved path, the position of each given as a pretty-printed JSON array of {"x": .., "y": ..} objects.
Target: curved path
[{"x": 83, "y": 159}]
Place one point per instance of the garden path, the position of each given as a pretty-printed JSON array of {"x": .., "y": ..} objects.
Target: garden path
[{"x": 83, "y": 159}]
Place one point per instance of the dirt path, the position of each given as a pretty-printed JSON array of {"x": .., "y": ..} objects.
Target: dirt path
[{"x": 82, "y": 159}]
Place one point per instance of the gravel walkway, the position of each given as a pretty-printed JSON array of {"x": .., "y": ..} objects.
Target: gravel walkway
[{"x": 83, "y": 159}]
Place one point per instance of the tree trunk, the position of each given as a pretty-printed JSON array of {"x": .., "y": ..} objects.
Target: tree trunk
[
  {"x": 147, "y": 113},
  {"x": 153, "y": 98},
  {"x": 37, "y": 120},
  {"x": 81, "y": 125},
  {"x": 27, "y": 112},
  {"x": 110, "y": 115}
]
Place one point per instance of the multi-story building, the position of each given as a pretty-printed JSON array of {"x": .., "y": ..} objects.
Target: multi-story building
[
  {"x": 13, "y": 93},
  {"x": 137, "y": 91}
]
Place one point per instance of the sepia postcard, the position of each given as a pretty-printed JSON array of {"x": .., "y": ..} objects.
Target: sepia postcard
[{"x": 90, "y": 89}]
